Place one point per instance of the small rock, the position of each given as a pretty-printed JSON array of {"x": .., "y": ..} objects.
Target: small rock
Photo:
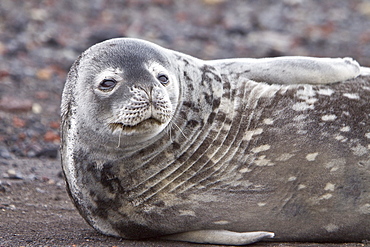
[
  {"x": 18, "y": 122},
  {"x": 22, "y": 136},
  {"x": 364, "y": 8},
  {"x": 57, "y": 198},
  {"x": 32, "y": 177},
  {"x": 54, "y": 125},
  {"x": 51, "y": 136},
  {"x": 4, "y": 153},
  {"x": 39, "y": 14},
  {"x": 3, "y": 73},
  {"x": 12, "y": 104},
  {"x": 3, "y": 188},
  {"x": 31, "y": 153},
  {"x": 44, "y": 74},
  {"x": 12, "y": 174},
  {"x": 51, "y": 182},
  {"x": 60, "y": 174},
  {"x": 36, "y": 108},
  {"x": 40, "y": 190}
]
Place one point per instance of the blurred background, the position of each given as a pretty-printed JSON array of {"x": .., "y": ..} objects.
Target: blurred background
[{"x": 39, "y": 40}]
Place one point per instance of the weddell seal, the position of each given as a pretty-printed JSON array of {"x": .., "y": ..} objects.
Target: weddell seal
[{"x": 156, "y": 143}]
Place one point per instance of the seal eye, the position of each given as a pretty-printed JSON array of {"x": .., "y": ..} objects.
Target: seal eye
[
  {"x": 163, "y": 79},
  {"x": 107, "y": 84}
]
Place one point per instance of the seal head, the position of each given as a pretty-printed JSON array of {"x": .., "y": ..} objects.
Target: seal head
[{"x": 138, "y": 100}]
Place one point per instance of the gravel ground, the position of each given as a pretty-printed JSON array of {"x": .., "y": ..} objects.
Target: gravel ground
[{"x": 39, "y": 40}]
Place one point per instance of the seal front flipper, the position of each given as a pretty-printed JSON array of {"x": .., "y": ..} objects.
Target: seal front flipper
[
  {"x": 290, "y": 70},
  {"x": 220, "y": 237},
  {"x": 365, "y": 71}
]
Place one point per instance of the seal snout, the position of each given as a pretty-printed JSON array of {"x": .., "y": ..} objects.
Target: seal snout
[{"x": 145, "y": 109}]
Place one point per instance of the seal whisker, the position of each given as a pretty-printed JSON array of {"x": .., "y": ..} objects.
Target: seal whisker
[
  {"x": 119, "y": 137},
  {"x": 180, "y": 130},
  {"x": 169, "y": 132}
]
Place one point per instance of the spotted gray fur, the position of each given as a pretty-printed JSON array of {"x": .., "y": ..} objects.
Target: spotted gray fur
[{"x": 230, "y": 153}]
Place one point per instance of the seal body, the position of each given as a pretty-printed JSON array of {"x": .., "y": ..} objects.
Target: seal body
[{"x": 156, "y": 142}]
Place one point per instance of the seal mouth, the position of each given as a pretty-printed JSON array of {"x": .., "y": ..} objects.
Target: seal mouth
[{"x": 145, "y": 125}]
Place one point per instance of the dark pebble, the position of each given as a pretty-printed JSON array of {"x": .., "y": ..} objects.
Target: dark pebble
[
  {"x": 3, "y": 188},
  {"x": 48, "y": 153},
  {"x": 60, "y": 174},
  {"x": 4, "y": 153}
]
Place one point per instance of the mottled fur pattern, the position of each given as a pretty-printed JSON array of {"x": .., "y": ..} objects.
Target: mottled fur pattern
[{"x": 279, "y": 145}]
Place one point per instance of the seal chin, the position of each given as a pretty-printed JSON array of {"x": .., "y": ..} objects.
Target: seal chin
[{"x": 146, "y": 126}]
